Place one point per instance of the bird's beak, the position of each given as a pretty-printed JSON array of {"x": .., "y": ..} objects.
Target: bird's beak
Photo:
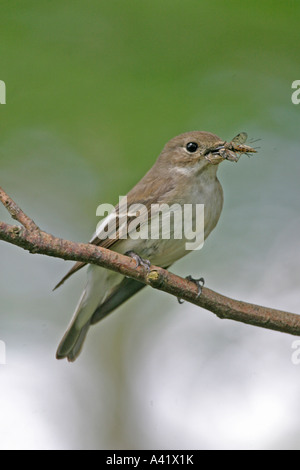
[{"x": 215, "y": 155}]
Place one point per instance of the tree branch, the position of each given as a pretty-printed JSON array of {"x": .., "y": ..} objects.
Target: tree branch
[{"x": 30, "y": 237}]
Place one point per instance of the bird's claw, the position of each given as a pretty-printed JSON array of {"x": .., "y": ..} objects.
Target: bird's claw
[
  {"x": 139, "y": 261},
  {"x": 199, "y": 283}
]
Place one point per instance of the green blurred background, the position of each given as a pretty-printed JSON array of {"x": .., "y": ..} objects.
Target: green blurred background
[{"x": 94, "y": 90}]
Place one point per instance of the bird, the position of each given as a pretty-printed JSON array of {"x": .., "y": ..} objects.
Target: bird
[{"x": 184, "y": 173}]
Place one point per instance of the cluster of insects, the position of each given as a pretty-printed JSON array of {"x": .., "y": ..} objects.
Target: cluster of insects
[
  {"x": 234, "y": 149},
  {"x": 236, "y": 146}
]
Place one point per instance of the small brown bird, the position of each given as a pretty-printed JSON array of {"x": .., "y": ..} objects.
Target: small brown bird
[{"x": 185, "y": 173}]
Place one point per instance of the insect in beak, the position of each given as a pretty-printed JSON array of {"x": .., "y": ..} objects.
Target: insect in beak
[{"x": 235, "y": 148}]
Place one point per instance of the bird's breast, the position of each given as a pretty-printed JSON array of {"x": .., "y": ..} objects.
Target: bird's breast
[{"x": 172, "y": 230}]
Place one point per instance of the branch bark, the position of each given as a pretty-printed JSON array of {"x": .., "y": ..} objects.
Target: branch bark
[{"x": 30, "y": 237}]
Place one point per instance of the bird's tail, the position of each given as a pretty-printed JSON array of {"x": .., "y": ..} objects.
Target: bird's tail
[
  {"x": 99, "y": 282},
  {"x": 72, "y": 342}
]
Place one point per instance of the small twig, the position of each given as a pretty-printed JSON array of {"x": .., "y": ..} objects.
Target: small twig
[
  {"x": 16, "y": 212},
  {"x": 33, "y": 239}
]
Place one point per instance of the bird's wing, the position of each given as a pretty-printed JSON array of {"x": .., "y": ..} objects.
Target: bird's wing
[
  {"x": 123, "y": 291},
  {"x": 105, "y": 230},
  {"x": 73, "y": 270},
  {"x": 106, "y": 236},
  {"x": 108, "y": 242}
]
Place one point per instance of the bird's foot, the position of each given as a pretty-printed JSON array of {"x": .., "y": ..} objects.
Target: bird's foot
[
  {"x": 139, "y": 261},
  {"x": 199, "y": 283}
]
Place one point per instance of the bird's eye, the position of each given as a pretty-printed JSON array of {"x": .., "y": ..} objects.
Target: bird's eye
[{"x": 192, "y": 147}]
